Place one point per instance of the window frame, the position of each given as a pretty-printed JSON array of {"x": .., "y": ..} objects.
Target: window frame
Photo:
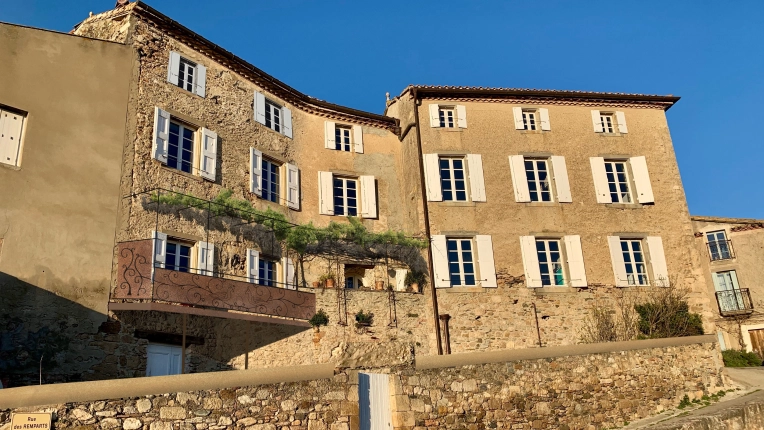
[
  {"x": 443, "y": 118},
  {"x": 452, "y": 181},
  {"x": 725, "y": 244},
  {"x": 192, "y": 255},
  {"x": 547, "y": 252},
  {"x": 613, "y": 162},
  {"x": 347, "y": 146},
  {"x": 267, "y": 265},
  {"x": 461, "y": 262},
  {"x": 195, "y": 130},
  {"x": 345, "y": 195},
  {"x": 537, "y": 182},
  {"x": 274, "y": 113},
  {"x": 613, "y": 122},
  {"x": 632, "y": 261},
  {"x": 531, "y": 114},
  {"x": 278, "y": 167},
  {"x": 184, "y": 65}
]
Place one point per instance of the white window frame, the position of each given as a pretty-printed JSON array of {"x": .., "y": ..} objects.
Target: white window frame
[
  {"x": 176, "y": 264},
  {"x": 447, "y": 117},
  {"x": 530, "y": 119},
  {"x": 715, "y": 243},
  {"x": 547, "y": 252},
  {"x": 184, "y": 66},
  {"x": 452, "y": 180},
  {"x": 630, "y": 278},
  {"x": 608, "y": 122},
  {"x": 345, "y": 133},
  {"x": 280, "y": 180},
  {"x": 461, "y": 262},
  {"x": 345, "y": 199},
  {"x": 613, "y": 163},
  {"x": 194, "y": 143},
  {"x": 536, "y": 181},
  {"x": 11, "y": 135},
  {"x": 274, "y": 281},
  {"x": 275, "y": 112}
]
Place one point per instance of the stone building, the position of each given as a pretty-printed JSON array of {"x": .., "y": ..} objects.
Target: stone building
[
  {"x": 217, "y": 158},
  {"x": 732, "y": 252}
]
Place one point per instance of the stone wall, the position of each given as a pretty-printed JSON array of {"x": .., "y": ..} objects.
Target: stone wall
[{"x": 547, "y": 388}]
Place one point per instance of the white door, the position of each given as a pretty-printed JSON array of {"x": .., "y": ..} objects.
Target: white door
[
  {"x": 374, "y": 401},
  {"x": 162, "y": 359}
]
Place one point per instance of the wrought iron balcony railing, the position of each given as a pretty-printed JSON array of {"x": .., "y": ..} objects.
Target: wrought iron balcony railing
[
  {"x": 720, "y": 250},
  {"x": 734, "y": 302},
  {"x": 135, "y": 283}
]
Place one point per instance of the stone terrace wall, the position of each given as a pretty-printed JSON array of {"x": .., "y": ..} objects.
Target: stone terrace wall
[{"x": 537, "y": 389}]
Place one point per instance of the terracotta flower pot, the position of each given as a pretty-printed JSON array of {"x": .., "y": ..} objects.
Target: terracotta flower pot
[
  {"x": 316, "y": 284},
  {"x": 330, "y": 283},
  {"x": 379, "y": 285},
  {"x": 414, "y": 287}
]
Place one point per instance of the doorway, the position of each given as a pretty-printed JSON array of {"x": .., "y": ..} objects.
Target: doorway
[{"x": 374, "y": 401}]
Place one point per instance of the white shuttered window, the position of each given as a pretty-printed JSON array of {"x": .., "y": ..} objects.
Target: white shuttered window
[
  {"x": 658, "y": 261},
  {"x": 253, "y": 263},
  {"x": 440, "y": 262},
  {"x": 486, "y": 264},
  {"x": 11, "y": 125},
  {"x": 293, "y": 186},
  {"x": 208, "y": 157},
  {"x": 477, "y": 183}
]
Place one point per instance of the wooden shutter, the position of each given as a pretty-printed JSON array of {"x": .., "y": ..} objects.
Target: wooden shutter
[
  {"x": 621, "y": 118},
  {"x": 253, "y": 265},
  {"x": 286, "y": 128},
  {"x": 206, "y": 261},
  {"x": 600, "y": 180},
  {"x": 255, "y": 172},
  {"x": 368, "y": 197},
  {"x": 616, "y": 258},
  {"x": 597, "y": 122},
  {"x": 485, "y": 261},
  {"x": 358, "y": 138},
  {"x": 560, "y": 170},
  {"x": 259, "y": 107},
  {"x": 400, "y": 279},
  {"x": 288, "y": 267},
  {"x": 461, "y": 116},
  {"x": 544, "y": 114},
  {"x": 293, "y": 186},
  {"x": 160, "y": 250},
  {"x": 173, "y": 68},
  {"x": 518, "y": 114},
  {"x": 432, "y": 177},
  {"x": 434, "y": 115},
  {"x": 374, "y": 401},
  {"x": 641, "y": 180},
  {"x": 477, "y": 183},
  {"x": 575, "y": 261},
  {"x": 717, "y": 285},
  {"x": 326, "y": 193},
  {"x": 209, "y": 156},
  {"x": 519, "y": 181},
  {"x": 530, "y": 262},
  {"x": 201, "y": 80},
  {"x": 329, "y": 135},
  {"x": 11, "y": 125},
  {"x": 658, "y": 261},
  {"x": 441, "y": 276},
  {"x": 161, "y": 135}
]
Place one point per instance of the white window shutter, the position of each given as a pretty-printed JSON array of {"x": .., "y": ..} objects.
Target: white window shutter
[
  {"x": 485, "y": 261},
  {"x": 11, "y": 125},
  {"x": 432, "y": 177},
  {"x": 255, "y": 172},
  {"x": 160, "y": 250},
  {"x": 259, "y": 107},
  {"x": 717, "y": 282},
  {"x": 293, "y": 186},
  {"x": 326, "y": 193},
  {"x": 544, "y": 114},
  {"x": 461, "y": 116},
  {"x": 658, "y": 261},
  {"x": 477, "y": 183},
  {"x": 209, "y": 156},
  {"x": 616, "y": 258},
  {"x": 519, "y": 181},
  {"x": 575, "y": 261},
  {"x": 368, "y": 197},
  {"x": 206, "y": 261},
  {"x": 440, "y": 262},
  {"x": 434, "y": 115},
  {"x": 329, "y": 135},
  {"x": 621, "y": 118},
  {"x": 173, "y": 68},
  {"x": 253, "y": 265},
  {"x": 400, "y": 279},
  {"x": 518, "y": 114},
  {"x": 530, "y": 262},
  {"x": 287, "y": 266},
  {"x": 286, "y": 128},
  {"x": 358, "y": 138},
  {"x": 597, "y": 122},
  {"x": 560, "y": 171},
  {"x": 641, "y": 180},
  {"x": 161, "y": 134},
  {"x": 201, "y": 80},
  {"x": 600, "y": 180}
]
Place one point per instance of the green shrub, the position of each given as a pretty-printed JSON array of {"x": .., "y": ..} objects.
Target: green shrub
[
  {"x": 668, "y": 316},
  {"x": 366, "y": 318},
  {"x": 415, "y": 277},
  {"x": 736, "y": 358},
  {"x": 684, "y": 402},
  {"x": 319, "y": 318}
]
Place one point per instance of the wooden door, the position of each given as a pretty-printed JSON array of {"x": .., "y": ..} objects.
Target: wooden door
[
  {"x": 162, "y": 360},
  {"x": 757, "y": 341},
  {"x": 374, "y": 401}
]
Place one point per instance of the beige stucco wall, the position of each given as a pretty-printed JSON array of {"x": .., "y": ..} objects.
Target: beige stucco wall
[{"x": 59, "y": 207}]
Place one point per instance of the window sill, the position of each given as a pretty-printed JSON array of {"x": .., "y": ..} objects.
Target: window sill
[
  {"x": 10, "y": 166},
  {"x": 450, "y": 129},
  {"x": 534, "y": 131},
  {"x": 457, "y": 289},
  {"x": 543, "y": 204},
  {"x": 624, "y": 205},
  {"x": 182, "y": 173},
  {"x": 557, "y": 290},
  {"x": 456, "y": 204},
  {"x": 610, "y": 134},
  {"x": 183, "y": 90}
]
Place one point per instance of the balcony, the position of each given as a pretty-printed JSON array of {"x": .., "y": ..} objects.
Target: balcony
[
  {"x": 214, "y": 294},
  {"x": 734, "y": 302},
  {"x": 719, "y": 250}
]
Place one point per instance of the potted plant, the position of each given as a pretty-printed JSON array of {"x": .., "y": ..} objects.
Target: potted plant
[
  {"x": 363, "y": 319},
  {"x": 379, "y": 285},
  {"x": 327, "y": 279},
  {"x": 318, "y": 319},
  {"x": 316, "y": 284},
  {"x": 414, "y": 279}
]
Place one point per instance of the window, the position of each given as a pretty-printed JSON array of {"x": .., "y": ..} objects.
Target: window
[
  {"x": 609, "y": 122},
  {"x": 345, "y": 196},
  {"x": 11, "y": 125},
  {"x": 461, "y": 266},
  {"x": 719, "y": 247},
  {"x": 618, "y": 181},
  {"x": 606, "y": 120},
  {"x": 186, "y": 74},
  {"x": 178, "y": 256},
  {"x": 549, "y": 255},
  {"x": 634, "y": 261},
  {"x": 342, "y": 138},
  {"x": 180, "y": 147},
  {"x": 163, "y": 360},
  {"x": 529, "y": 119},
  {"x": 271, "y": 181},
  {"x": 537, "y": 174},
  {"x": 267, "y": 272},
  {"x": 447, "y": 117},
  {"x": 453, "y": 180},
  {"x": 272, "y": 116}
]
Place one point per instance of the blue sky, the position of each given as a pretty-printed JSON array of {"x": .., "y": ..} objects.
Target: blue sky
[{"x": 351, "y": 52}]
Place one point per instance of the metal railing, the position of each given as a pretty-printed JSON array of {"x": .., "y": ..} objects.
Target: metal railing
[
  {"x": 734, "y": 302},
  {"x": 720, "y": 250}
]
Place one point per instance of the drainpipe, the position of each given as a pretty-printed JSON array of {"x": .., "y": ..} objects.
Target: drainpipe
[{"x": 427, "y": 235}]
